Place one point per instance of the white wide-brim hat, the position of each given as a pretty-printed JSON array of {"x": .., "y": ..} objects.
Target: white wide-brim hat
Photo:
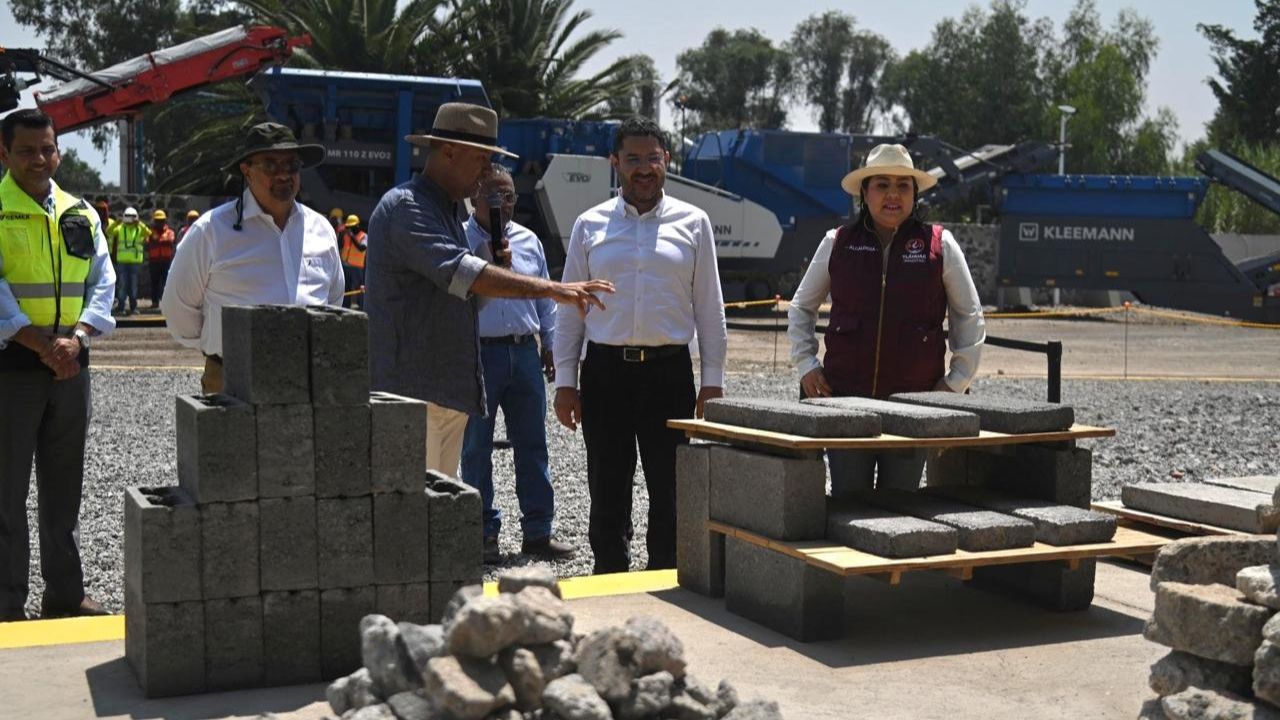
[
  {"x": 464, "y": 124},
  {"x": 887, "y": 160}
]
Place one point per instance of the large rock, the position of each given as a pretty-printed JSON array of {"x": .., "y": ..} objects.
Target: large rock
[
  {"x": 793, "y": 418},
  {"x": 516, "y": 579},
  {"x": 650, "y": 695},
  {"x": 555, "y": 659},
  {"x": 1209, "y": 504},
  {"x": 521, "y": 668},
  {"x": 755, "y": 710},
  {"x": 1178, "y": 671},
  {"x": 467, "y": 689},
  {"x": 543, "y": 617},
  {"x": 1199, "y": 704},
  {"x": 484, "y": 626},
  {"x": 573, "y": 698},
  {"x": 1210, "y": 621},
  {"x": 389, "y": 669},
  {"x": 351, "y": 692},
  {"x": 1258, "y": 583},
  {"x": 412, "y": 706},
  {"x": 1152, "y": 710},
  {"x": 1266, "y": 671},
  {"x": 420, "y": 643},
  {"x": 652, "y": 647},
  {"x": 1215, "y": 559},
  {"x": 381, "y": 711},
  {"x": 600, "y": 665}
]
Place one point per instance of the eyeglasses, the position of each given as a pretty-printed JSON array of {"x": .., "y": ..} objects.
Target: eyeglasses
[
  {"x": 506, "y": 197},
  {"x": 273, "y": 167},
  {"x": 632, "y": 162}
]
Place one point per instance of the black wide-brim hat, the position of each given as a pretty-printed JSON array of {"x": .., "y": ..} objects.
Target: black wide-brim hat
[{"x": 274, "y": 137}]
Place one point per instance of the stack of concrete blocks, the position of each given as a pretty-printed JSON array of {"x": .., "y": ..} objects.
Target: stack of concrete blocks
[
  {"x": 1215, "y": 608},
  {"x": 302, "y": 506},
  {"x": 1246, "y": 504}
]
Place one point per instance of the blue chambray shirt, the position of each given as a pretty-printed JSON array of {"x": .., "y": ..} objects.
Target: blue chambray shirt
[
  {"x": 516, "y": 316},
  {"x": 423, "y": 335}
]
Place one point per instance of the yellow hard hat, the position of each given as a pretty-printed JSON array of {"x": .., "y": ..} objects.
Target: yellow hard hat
[
  {"x": 353, "y": 220},
  {"x": 336, "y": 214},
  {"x": 193, "y": 214},
  {"x": 159, "y": 215}
]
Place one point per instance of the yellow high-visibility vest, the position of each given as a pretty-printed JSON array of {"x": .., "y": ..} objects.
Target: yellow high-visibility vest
[
  {"x": 130, "y": 239},
  {"x": 47, "y": 280}
]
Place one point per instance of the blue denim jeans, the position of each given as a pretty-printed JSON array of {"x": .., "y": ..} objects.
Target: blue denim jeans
[
  {"x": 127, "y": 285},
  {"x": 512, "y": 381}
]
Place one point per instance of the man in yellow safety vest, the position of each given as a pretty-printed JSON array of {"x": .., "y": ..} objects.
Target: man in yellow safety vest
[
  {"x": 128, "y": 238},
  {"x": 56, "y": 283}
]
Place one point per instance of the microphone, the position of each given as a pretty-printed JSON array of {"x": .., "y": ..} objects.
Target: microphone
[{"x": 496, "y": 228}]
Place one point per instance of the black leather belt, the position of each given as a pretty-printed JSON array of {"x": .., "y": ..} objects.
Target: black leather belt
[
  {"x": 507, "y": 340},
  {"x": 640, "y": 354}
]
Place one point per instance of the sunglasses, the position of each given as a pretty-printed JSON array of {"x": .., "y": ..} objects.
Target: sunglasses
[{"x": 273, "y": 167}]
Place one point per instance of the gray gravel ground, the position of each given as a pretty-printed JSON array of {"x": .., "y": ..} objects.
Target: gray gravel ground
[{"x": 1166, "y": 431}]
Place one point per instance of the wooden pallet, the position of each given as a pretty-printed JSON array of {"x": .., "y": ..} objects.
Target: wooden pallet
[
  {"x": 704, "y": 430},
  {"x": 846, "y": 561},
  {"x": 1139, "y": 519}
]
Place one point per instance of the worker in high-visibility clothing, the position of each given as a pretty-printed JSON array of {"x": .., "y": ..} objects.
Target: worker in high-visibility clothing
[
  {"x": 160, "y": 247},
  {"x": 352, "y": 243},
  {"x": 128, "y": 239},
  {"x": 56, "y": 283}
]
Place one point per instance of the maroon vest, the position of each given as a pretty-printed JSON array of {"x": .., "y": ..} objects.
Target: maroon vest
[{"x": 885, "y": 334}]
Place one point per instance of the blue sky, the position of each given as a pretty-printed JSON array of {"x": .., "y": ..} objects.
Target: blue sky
[{"x": 663, "y": 28}]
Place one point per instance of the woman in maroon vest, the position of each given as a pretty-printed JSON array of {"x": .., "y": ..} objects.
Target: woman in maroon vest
[{"x": 892, "y": 280}]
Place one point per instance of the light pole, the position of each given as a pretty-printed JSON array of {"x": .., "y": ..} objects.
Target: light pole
[{"x": 1067, "y": 111}]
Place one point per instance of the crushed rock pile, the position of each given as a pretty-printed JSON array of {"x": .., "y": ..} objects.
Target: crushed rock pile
[
  {"x": 516, "y": 657},
  {"x": 1216, "y": 606}
]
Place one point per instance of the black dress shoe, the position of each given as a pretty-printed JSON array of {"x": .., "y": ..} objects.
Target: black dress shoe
[
  {"x": 491, "y": 554},
  {"x": 547, "y": 548},
  {"x": 88, "y": 607}
]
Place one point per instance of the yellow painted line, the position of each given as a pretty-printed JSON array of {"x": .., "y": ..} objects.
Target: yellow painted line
[{"x": 35, "y": 633}]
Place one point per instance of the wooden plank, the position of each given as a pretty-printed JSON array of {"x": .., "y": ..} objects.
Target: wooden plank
[
  {"x": 1115, "y": 507},
  {"x": 847, "y": 561},
  {"x": 704, "y": 430}
]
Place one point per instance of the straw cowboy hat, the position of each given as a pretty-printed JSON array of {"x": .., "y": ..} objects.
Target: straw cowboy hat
[
  {"x": 887, "y": 160},
  {"x": 464, "y": 124}
]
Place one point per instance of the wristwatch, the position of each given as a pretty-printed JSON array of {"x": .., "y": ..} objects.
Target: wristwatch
[{"x": 83, "y": 337}]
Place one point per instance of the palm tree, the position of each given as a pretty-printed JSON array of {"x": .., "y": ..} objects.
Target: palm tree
[{"x": 525, "y": 54}]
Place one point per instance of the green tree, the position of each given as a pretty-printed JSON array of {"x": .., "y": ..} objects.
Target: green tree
[
  {"x": 862, "y": 99},
  {"x": 1248, "y": 86},
  {"x": 1225, "y": 210},
  {"x": 77, "y": 176},
  {"x": 734, "y": 80},
  {"x": 645, "y": 93},
  {"x": 820, "y": 47}
]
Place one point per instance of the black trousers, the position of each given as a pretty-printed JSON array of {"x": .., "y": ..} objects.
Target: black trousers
[
  {"x": 625, "y": 404},
  {"x": 46, "y": 419},
  {"x": 159, "y": 277}
]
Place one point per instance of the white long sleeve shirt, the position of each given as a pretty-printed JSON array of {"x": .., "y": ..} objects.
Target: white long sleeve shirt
[
  {"x": 217, "y": 265},
  {"x": 966, "y": 328},
  {"x": 663, "y": 265}
]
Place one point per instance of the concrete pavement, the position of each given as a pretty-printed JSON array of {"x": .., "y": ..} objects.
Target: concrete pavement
[{"x": 931, "y": 647}]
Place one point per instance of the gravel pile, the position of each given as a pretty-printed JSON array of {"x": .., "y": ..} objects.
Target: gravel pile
[
  {"x": 516, "y": 656},
  {"x": 1167, "y": 431}
]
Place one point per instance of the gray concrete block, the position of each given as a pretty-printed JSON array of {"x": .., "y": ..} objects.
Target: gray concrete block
[
  {"x": 339, "y": 356},
  {"x": 344, "y": 528},
  {"x": 398, "y": 442},
  {"x": 1055, "y": 524},
  {"x": 266, "y": 358},
  {"x": 340, "y": 612},
  {"x": 977, "y": 530},
  {"x": 998, "y": 414},
  {"x": 1055, "y": 474},
  {"x": 908, "y": 420},
  {"x": 217, "y": 448},
  {"x": 885, "y": 533},
  {"x": 781, "y": 498},
  {"x": 289, "y": 554},
  {"x": 406, "y": 603},
  {"x": 400, "y": 550},
  {"x": 793, "y": 418},
  {"x": 229, "y": 559},
  {"x": 1051, "y": 585},
  {"x": 782, "y": 593},
  {"x": 164, "y": 645},
  {"x": 161, "y": 544},
  {"x": 342, "y": 451},
  {"x": 290, "y": 637},
  {"x": 699, "y": 552},
  {"x": 453, "y": 532},
  {"x": 1267, "y": 484},
  {"x": 233, "y": 643},
  {"x": 1210, "y": 504},
  {"x": 286, "y": 451}
]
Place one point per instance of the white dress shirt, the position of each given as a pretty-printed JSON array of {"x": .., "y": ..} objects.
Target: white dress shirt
[
  {"x": 966, "y": 329},
  {"x": 663, "y": 266},
  {"x": 216, "y": 265}
]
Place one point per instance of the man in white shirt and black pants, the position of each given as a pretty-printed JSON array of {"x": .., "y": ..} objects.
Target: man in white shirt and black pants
[
  {"x": 637, "y": 373},
  {"x": 264, "y": 248}
]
